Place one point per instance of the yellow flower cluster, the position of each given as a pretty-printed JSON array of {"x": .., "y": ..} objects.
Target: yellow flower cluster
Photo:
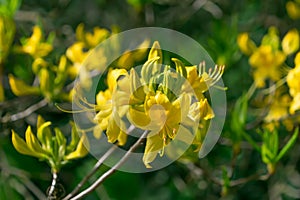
[
  {"x": 53, "y": 78},
  {"x": 159, "y": 99},
  {"x": 86, "y": 42},
  {"x": 51, "y": 148},
  {"x": 35, "y": 45},
  {"x": 268, "y": 63},
  {"x": 268, "y": 58}
]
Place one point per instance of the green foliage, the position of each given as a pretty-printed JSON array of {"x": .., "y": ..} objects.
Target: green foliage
[{"x": 42, "y": 43}]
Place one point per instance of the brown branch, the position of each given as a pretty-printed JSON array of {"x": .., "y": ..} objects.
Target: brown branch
[
  {"x": 24, "y": 113},
  {"x": 100, "y": 180}
]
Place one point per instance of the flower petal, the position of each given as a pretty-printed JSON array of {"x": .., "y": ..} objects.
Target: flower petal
[{"x": 154, "y": 144}]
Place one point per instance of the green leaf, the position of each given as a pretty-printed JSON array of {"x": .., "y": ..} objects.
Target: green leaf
[
  {"x": 225, "y": 177},
  {"x": 9, "y": 7},
  {"x": 239, "y": 117},
  {"x": 288, "y": 145},
  {"x": 266, "y": 154},
  {"x": 273, "y": 142}
]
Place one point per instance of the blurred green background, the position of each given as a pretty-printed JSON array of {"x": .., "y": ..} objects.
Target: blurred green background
[{"x": 215, "y": 25}]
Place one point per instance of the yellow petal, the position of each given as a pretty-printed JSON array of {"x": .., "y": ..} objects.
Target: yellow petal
[
  {"x": 43, "y": 50},
  {"x": 20, "y": 88},
  {"x": 115, "y": 127},
  {"x": 103, "y": 97},
  {"x": 246, "y": 45},
  {"x": 98, "y": 35},
  {"x": 180, "y": 67},
  {"x": 129, "y": 58},
  {"x": 97, "y": 132},
  {"x": 80, "y": 32},
  {"x": 38, "y": 64},
  {"x": 76, "y": 52},
  {"x": 163, "y": 100},
  {"x": 155, "y": 52},
  {"x": 295, "y": 105},
  {"x": 290, "y": 42},
  {"x": 293, "y": 10},
  {"x": 44, "y": 134},
  {"x": 20, "y": 145},
  {"x": 33, "y": 143},
  {"x": 206, "y": 112},
  {"x": 136, "y": 89},
  {"x": 82, "y": 149},
  {"x": 45, "y": 83},
  {"x": 154, "y": 145},
  {"x": 138, "y": 117},
  {"x": 36, "y": 35},
  {"x": 122, "y": 138},
  {"x": 149, "y": 69},
  {"x": 112, "y": 77}
]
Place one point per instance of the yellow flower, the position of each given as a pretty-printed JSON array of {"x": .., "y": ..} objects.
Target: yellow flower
[
  {"x": 53, "y": 149},
  {"x": 196, "y": 82},
  {"x": 290, "y": 42},
  {"x": 129, "y": 58},
  {"x": 20, "y": 88},
  {"x": 278, "y": 109},
  {"x": 91, "y": 39},
  {"x": 35, "y": 46},
  {"x": 164, "y": 119},
  {"x": 110, "y": 109},
  {"x": 266, "y": 63},
  {"x": 293, "y": 9},
  {"x": 295, "y": 105},
  {"x": 293, "y": 81},
  {"x": 157, "y": 100},
  {"x": 246, "y": 45},
  {"x": 76, "y": 53},
  {"x": 39, "y": 63}
]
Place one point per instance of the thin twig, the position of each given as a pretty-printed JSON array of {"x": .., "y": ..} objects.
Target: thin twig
[
  {"x": 25, "y": 113},
  {"x": 112, "y": 170},
  {"x": 94, "y": 170},
  {"x": 96, "y": 166},
  {"x": 248, "y": 179},
  {"x": 53, "y": 185}
]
